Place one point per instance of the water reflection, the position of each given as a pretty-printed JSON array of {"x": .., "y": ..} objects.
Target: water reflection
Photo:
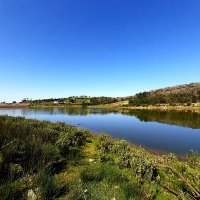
[
  {"x": 164, "y": 131},
  {"x": 81, "y": 111},
  {"x": 185, "y": 119}
]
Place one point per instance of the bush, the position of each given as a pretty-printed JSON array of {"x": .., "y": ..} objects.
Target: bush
[
  {"x": 71, "y": 141},
  {"x": 105, "y": 144},
  {"x": 12, "y": 191},
  {"x": 47, "y": 185},
  {"x": 50, "y": 152},
  {"x": 16, "y": 171}
]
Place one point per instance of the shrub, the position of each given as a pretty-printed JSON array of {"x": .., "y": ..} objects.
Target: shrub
[
  {"x": 50, "y": 152},
  {"x": 71, "y": 141},
  {"x": 47, "y": 185},
  {"x": 105, "y": 144},
  {"x": 16, "y": 171},
  {"x": 12, "y": 191}
]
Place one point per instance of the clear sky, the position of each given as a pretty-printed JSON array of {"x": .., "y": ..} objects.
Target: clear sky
[{"x": 58, "y": 48}]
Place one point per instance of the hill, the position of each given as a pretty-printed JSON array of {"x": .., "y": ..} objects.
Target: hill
[
  {"x": 188, "y": 93},
  {"x": 74, "y": 100}
]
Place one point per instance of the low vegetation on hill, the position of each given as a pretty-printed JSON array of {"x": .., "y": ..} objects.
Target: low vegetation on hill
[
  {"x": 183, "y": 94},
  {"x": 42, "y": 160},
  {"x": 82, "y": 100}
]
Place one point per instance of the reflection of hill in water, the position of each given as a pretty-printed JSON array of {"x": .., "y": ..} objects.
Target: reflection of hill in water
[
  {"x": 186, "y": 119},
  {"x": 81, "y": 111}
]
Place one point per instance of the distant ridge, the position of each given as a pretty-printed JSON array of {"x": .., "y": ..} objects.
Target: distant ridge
[
  {"x": 187, "y": 93},
  {"x": 183, "y": 94},
  {"x": 191, "y": 88}
]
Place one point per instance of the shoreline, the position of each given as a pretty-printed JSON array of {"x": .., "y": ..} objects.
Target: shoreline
[
  {"x": 126, "y": 108},
  {"x": 122, "y": 108},
  {"x": 165, "y": 108},
  {"x": 15, "y": 105},
  {"x": 94, "y": 160}
]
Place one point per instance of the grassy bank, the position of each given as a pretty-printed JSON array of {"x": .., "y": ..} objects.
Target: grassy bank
[
  {"x": 183, "y": 108},
  {"x": 14, "y": 105},
  {"x": 42, "y": 160},
  {"x": 122, "y": 107}
]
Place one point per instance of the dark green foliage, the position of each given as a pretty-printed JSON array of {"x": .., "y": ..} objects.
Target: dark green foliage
[
  {"x": 56, "y": 161},
  {"x": 82, "y": 100},
  {"x": 102, "y": 100},
  {"x": 48, "y": 188},
  {"x": 47, "y": 185},
  {"x": 50, "y": 152},
  {"x": 71, "y": 141},
  {"x": 16, "y": 171},
  {"x": 12, "y": 191},
  {"x": 28, "y": 147}
]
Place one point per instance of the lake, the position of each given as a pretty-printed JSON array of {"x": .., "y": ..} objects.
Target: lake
[{"x": 176, "y": 132}]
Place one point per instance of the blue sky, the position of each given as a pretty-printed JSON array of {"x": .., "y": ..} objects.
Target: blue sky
[{"x": 96, "y": 47}]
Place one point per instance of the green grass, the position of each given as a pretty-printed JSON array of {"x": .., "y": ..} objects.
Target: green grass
[{"x": 58, "y": 161}]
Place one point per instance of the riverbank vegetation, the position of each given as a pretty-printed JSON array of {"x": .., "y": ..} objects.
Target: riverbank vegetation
[{"x": 42, "y": 160}]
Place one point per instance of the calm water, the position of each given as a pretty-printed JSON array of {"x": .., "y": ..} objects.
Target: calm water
[{"x": 164, "y": 131}]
